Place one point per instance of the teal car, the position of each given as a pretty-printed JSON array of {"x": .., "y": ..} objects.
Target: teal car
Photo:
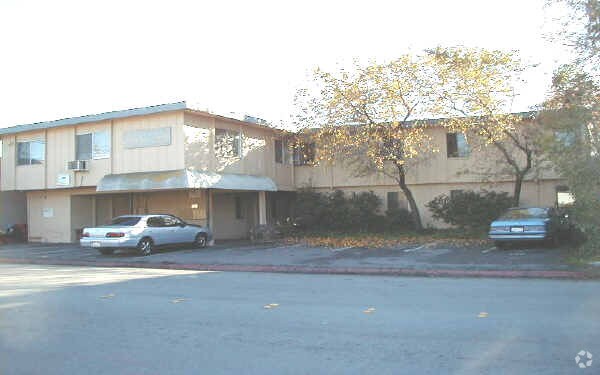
[{"x": 542, "y": 224}]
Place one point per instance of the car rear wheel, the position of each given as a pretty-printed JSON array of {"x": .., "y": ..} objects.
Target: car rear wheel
[
  {"x": 145, "y": 246},
  {"x": 106, "y": 251},
  {"x": 200, "y": 241}
]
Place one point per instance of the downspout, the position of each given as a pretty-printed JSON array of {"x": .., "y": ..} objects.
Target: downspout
[
  {"x": 112, "y": 148},
  {"x": 45, "y": 159}
]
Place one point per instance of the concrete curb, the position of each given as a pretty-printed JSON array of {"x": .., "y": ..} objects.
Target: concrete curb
[{"x": 550, "y": 274}]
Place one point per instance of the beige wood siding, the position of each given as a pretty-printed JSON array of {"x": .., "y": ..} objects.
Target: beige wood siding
[
  {"x": 439, "y": 169},
  {"x": 8, "y": 170},
  {"x": 146, "y": 159},
  {"x": 257, "y": 151},
  {"x": 60, "y": 149},
  {"x": 57, "y": 227}
]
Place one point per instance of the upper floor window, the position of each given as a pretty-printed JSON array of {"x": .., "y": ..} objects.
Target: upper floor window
[
  {"x": 93, "y": 146},
  {"x": 457, "y": 146},
  {"x": 278, "y": 151},
  {"x": 304, "y": 154},
  {"x": 228, "y": 142},
  {"x": 565, "y": 138},
  {"x": 32, "y": 152}
]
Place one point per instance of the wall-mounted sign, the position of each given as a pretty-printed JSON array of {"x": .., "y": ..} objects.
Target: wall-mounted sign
[
  {"x": 47, "y": 212},
  {"x": 147, "y": 138},
  {"x": 63, "y": 179}
]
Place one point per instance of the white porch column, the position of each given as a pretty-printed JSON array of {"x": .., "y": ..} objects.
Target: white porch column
[
  {"x": 209, "y": 208},
  {"x": 262, "y": 208}
]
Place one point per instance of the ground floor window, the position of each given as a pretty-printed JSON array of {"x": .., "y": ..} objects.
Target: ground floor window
[{"x": 393, "y": 202}]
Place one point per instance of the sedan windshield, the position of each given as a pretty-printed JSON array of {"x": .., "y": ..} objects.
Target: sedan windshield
[
  {"x": 526, "y": 213},
  {"x": 126, "y": 221}
]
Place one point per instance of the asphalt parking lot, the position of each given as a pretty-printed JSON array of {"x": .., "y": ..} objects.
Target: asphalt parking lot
[{"x": 433, "y": 255}]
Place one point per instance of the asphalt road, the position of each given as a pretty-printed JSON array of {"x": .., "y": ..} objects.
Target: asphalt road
[{"x": 70, "y": 320}]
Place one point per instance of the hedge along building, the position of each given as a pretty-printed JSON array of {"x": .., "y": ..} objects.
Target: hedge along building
[{"x": 207, "y": 169}]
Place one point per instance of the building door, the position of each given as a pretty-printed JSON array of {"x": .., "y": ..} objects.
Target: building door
[
  {"x": 103, "y": 209},
  {"x": 121, "y": 205}
]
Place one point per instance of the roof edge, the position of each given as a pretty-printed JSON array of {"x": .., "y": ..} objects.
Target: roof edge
[{"x": 95, "y": 117}]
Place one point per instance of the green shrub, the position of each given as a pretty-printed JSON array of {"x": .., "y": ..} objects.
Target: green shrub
[
  {"x": 338, "y": 212},
  {"x": 309, "y": 208},
  {"x": 470, "y": 209},
  {"x": 399, "y": 219},
  {"x": 363, "y": 211}
]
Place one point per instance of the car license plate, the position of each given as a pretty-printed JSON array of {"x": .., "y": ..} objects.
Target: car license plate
[
  {"x": 516, "y": 229},
  {"x": 95, "y": 244}
]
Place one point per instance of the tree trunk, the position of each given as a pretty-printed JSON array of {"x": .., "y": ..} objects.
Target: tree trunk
[
  {"x": 414, "y": 209},
  {"x": 517, "y": 189}
]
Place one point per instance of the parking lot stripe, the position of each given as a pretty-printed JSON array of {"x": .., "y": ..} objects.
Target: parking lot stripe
[
  {"x": 414, "y": 249},
  {"x": 342, "y": 248}
]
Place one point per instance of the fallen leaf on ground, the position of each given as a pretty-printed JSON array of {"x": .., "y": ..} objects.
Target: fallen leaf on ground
[
  {"x": 482, "y": 314},
  {"x": 369, "y": 310},
  {"x": 271, "y": 305},
  {"x": 180, "y": 299},
  {"x": 110, "y": 295}
]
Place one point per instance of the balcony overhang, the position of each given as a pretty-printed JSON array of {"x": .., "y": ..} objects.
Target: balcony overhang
[{"x": 183, "y": 179}]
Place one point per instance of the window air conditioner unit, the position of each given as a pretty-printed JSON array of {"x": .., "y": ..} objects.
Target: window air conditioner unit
[{"x": 77, "y": 165}]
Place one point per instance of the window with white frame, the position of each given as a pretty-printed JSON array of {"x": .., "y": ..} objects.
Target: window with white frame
[
  {"x": 228, "y": 143},
  {"x": 93, "y": 146},
  {"x": 31, "y": 152}
]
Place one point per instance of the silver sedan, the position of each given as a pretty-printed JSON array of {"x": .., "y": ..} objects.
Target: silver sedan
[{"x": 144, "y": 232}]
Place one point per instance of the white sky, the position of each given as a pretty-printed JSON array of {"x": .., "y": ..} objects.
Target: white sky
[{"x": 67, "y": 58}]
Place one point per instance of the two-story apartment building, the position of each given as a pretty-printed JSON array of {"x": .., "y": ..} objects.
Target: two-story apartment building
[{"x": 208, "y": 169}]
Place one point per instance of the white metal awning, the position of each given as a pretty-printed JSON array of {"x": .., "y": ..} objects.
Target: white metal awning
[{"x": 183, "y": 179}]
